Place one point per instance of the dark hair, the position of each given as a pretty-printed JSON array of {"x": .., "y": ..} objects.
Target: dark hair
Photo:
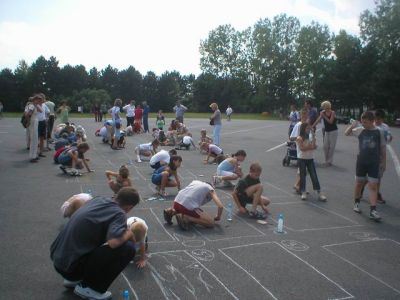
[
  {"x": 368, "y": 115},
  {"x": 127, "y": 196},
  {"x": 380, "y": 113},
  {"x": 171, "y": 161},
  {"x": 172, "y": 152},
  {"x": 83, "y": 146},
  {"x": 155, "y": 142},
  {"x": 308, "y": 101},
  {"x": 302, "y": 132},
  {"x": 239, "y": 153},
  {"x": 123, "y": 171}
]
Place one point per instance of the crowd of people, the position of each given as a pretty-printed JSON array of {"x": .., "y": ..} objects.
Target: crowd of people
[{"x": 99, "y": 241}]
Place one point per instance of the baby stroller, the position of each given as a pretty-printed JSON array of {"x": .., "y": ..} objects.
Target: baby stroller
[{"x": 291, "y": 153}]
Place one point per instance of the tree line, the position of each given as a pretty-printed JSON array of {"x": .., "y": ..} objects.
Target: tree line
[{"x": 265, "y": 67}]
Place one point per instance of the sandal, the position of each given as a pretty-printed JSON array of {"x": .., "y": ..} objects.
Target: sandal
[
  {"x": 168, "y": 216},
  {"x": 182, "y": 223},
  {"x": 257, "y": 215}
]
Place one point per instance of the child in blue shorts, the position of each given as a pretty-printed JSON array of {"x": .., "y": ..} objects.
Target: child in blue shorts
[{"x": 162, "y": 176}]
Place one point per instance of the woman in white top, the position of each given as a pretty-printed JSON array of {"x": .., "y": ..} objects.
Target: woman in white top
[
  {"x": 32, "y": 112},
  {"x": 305, "y": 158},
  {"x": 130, "y": 113}
]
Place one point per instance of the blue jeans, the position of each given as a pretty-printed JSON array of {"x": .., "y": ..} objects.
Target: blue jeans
[
  {"x": 217, "y": 134},
  {"x": 310, "y": 166}
]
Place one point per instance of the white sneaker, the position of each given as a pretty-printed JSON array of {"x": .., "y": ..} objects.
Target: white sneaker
[
  {"x": 304, "y": 196},
  {"x": 373, "y": 215},
  {"x": 322, "y": 197},
  {"x": 70, "y": 284},
  {"x": 356, "y": 208},
  {"x": 88, "y": 293},
  {"x": 216, "y": 180}
]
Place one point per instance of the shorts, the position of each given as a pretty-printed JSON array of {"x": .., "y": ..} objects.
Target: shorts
[
  {"x": 156, "y": 166},
  {"x": 225, "y": 173},
  {"x": 179, "y": 208},
  {"x": 42, "y": 129},
  {"x": 367, "y": 171},
  {"x": 65, "y": 159},
  {"x": 244, "y": 199},
  {"x": 156, "y": 178}
]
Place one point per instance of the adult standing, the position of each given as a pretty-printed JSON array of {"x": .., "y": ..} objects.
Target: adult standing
[
  {"x": 32, "y": 113},
  {"x": 63, "y": 111},
  {"x": 312, "y": 112},
  {"x": 179, "y": 110},
  {"x": 130, "y": 113},
  {"x": 215, "y": 121},
  {"x": 115, "y": 114},
  {"x": 96, "y": 112},
  {"x": 146, "y": 110},
  {"x": 294, "y": 117},
  {"x": 328, "y": 117},
  {"x": 103, "y": 111},
  {"x": 42, "y": 116},
  {"x": 52, "y": 116},
  {"x": 96, "y": 245},
  {"x": 229, "y": 112}
]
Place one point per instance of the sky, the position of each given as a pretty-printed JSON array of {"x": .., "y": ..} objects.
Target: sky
[{"x": 150, "y": 35}]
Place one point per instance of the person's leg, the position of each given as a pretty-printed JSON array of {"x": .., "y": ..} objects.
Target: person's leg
[
  {"x": 265, "y": 201},
  {"x": 332, "y": 145},
  {"x": 204, "y": 219},
  {"x": 313, "y": 174},
  {"x": 104, "y": 264},
  {"x": 50, "y": 127},
  {"x": 255, "y": 192},
  {"x": 217, "y": 135},
  {"x": 326, "y": 146},
  {"x": 302, "y": 168},
  {"x": 34, "y": 140}
]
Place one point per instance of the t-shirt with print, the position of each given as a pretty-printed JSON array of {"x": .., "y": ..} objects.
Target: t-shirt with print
[
  {"x": 244, "y": 183},
  {"x": 98, "y": 221},
  {"x": 370, "y": 142},
  {"x": 196, "y": 194},
  {"x": 115, "y": 114}
]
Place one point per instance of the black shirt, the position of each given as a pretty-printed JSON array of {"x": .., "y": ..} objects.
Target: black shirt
[
  {"x": 98, "y": 221},
  {"x": 244, "y": 183}
]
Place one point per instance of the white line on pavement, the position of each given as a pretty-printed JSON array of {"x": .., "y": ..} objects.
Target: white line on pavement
[{"x": 395, "y": 160}]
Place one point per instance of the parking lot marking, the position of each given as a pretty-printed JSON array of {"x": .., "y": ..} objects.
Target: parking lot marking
[
  {"x": 395, "y": 160},
  {"x": 130, "y": 286},
  {"x": 356, "y": 266}
]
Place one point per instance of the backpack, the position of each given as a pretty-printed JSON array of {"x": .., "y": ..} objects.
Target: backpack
[{"x": 25, "y": 120}]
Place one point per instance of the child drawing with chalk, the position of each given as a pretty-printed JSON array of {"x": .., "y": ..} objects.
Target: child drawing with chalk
[
  {"x": 249, "y": 190},
  {"x": 162, "y": 177},
  {"x": 139, "y": 229},
  {"x": 117, "y": 181},
  {"x": 211, "y": 150},
  {"x": 73, "y": 203},
  {"x": 147, "y": 150}
]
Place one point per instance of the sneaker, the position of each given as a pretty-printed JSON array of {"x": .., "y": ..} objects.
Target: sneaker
[
  {"x": 322, "y": 197},
  {"x": 88, "y": 293},
  {"x": 216, "y": 180},
  {"x": 64, "y": 169},
  {"x": 182, "y": 223},
  {"x": 304, "y": 196},
  {"x": 256, "y": 215},
  {"x": 373, "y": 215},
  {"x": 71, "y": 284},
  {"x": 356, "y": 208},
  {"x": 168, "y": 216}
]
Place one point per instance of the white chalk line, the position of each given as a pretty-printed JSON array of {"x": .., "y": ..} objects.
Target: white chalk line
[
  {"x": 332, "y": 212},
  {"x": 357, "y": 267},
  {"x": 130, "y": 286},
  {"x": 299, "y": 258},
  {"x": 395, "y": 160},
  {"x": 162, "y": 226},
  {"x": 276, "y": 147}
]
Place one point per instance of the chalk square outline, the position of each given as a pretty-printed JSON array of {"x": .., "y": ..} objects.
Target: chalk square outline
[
  {"x": 358, "y": 267},
  {"x": 221, "y": 250}
]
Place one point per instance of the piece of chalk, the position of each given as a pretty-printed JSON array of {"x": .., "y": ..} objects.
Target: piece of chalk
[
  {"x": 262, "y": 222},
  {"x": 200, "y": 175}
]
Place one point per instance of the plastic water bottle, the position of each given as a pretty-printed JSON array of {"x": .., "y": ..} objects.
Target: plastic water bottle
[
  {"x": 89, "y": 191},
  {"x": 280, "y": 224},
  {"x": 229, "y": 211},
  {"x": 125, "y": 295}
]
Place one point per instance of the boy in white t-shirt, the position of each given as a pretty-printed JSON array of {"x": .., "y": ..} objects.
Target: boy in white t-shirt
[
  {"x": 139, "y": 229},
  {"x": 187, "y": 205},
  {"x": 161, "y": 158},
  {"x": 147, "y": 150},
  {"x": 187, "y": 141},
  {"x": 70, "y": 206}
]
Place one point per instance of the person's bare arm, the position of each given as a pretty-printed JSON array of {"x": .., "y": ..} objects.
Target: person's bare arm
[
  {"x": 178, "y": 182},
  {"x": 117, "y": 242},
  {"x": 110, "y": 174},
  {"x": 218, "y": 202},
  {"x": 237, "y": 202},
  {"x": 141, "y": 263}
]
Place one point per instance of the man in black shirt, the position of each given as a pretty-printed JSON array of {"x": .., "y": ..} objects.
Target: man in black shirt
[{"x": 96, "y": 245}]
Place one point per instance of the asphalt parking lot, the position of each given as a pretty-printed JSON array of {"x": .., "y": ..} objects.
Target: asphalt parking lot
[{"x": 326, "y": 252}]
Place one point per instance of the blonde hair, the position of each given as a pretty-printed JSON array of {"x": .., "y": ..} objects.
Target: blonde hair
[
  {"x": 255, "y": 167},
  {"x": 214, "y": 105},
  {"x": 139, "y": 231},
  {"x": 326, "y": 105}
]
